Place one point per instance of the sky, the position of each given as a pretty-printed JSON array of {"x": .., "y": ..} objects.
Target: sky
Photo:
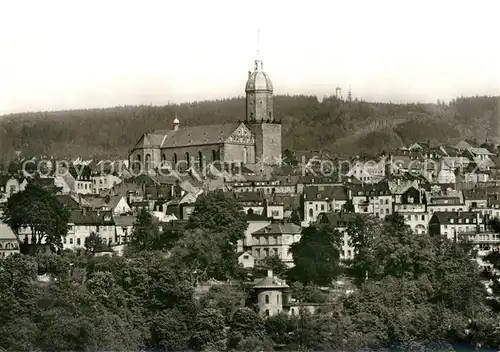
[{"x": 58, "y": 55}]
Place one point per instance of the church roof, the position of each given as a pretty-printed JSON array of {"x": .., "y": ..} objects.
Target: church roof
[
  {"x": 187, "y": 136},
  {"x": 259, "y": 81},
  {"x": 199, "y": 135}
]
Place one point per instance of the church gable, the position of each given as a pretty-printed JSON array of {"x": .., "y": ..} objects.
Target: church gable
[
  {"x": 151, "y": 140},
  {"x": 241, "y": 135}
]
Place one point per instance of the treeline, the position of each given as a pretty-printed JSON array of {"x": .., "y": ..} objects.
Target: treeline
[
  {"x": 410, "y": 292},
  {"x": 348, "y": 127}
]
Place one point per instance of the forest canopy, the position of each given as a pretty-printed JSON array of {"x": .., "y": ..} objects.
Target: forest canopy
[{"x": 340, "y": 126}]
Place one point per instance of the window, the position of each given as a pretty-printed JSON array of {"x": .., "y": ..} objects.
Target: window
[
  {"x": 175, "y": 160},
  {"x": 187, "y": 160},
  {"x": 148, "y": 161},
  {"x": 267, "y": 312},
  {"x": 246, "y": 257},
  {"x": 269, "y": 114},
  {"x": 200, "y": 160},
  {"x": 267, "y": 299},
  {"x": 322, "y": 207},
  {"x": 311, "y": 213},
  {"x": 70, "y": 241},
  {"x": 245, "y": 155},
  {"x": 293, "y": 311},
  {"x": 78, "y": 242},
  {"x": 278, "y": 299}
]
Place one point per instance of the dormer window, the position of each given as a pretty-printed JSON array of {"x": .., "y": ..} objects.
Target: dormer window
[
  {"x": 466, "y": 221},
  {"x": 451, "y": 221}
]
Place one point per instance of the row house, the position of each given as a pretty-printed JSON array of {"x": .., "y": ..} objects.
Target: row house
[
  {"x": 374, "y": 199},
  {"x": 452, "y": 224},
  {"x": 117, "y": 205},
  {"x": 476, "y": 198},
  {"x": 104, "y": 182},
  {"x": 82, "y": 179},
  {"x": 275, "y": 239},
  {"x": 449, "y": 201},
  {"x": 341, "y": 221},
  {"x": 411, "y": 204},
  {"x": 83, "y": 223},
  {"x": 368, "y": 171},
  {"x": 255, "y": 222},
  {"x": 319, "y": 199},
  {"x": 267, "y": 187}
]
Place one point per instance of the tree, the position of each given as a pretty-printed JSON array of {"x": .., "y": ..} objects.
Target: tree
[
  {"x": 94, "y": 243},
  {"x": 247, "y": 331},
  {"x": 317, "y": 255},
  {"x": 225, "y": 298},
  {"x": 145, "y": 232},
  {"x": 208, "y": 331},
  {"x": 38, "y": 210},
  {"x": 205, "y": 255},
  {"x": 273, "y": 263},
  {"x": 219, "y": 213}
]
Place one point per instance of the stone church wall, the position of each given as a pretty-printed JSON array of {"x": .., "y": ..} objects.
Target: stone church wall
[
  {"x": 267, "y": 141},
  {"x": 207, "y": 152},
  {"x": 235, "y": 152}
]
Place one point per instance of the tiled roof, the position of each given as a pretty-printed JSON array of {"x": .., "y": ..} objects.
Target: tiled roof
[
  {"x": 446, "y": 217},
  {"x": 248, "y": 197},
  {"x": 474, "y": 194},
  {"x": 337, "y": 192},
  {"x": 90, "y": 218},
  {"x": 124, "y": 221},
  {"x": 279, "y": 228},
  {"x": 337, "y": 219},
  {"x": 187, "y": 136}
]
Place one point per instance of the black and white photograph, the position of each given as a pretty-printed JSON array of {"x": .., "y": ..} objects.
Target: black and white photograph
[{"x": 226, "y": 176}]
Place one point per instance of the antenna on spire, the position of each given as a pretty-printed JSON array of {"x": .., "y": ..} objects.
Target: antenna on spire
[
  {"x": 258, "y": 62},
  {"x": 258, "y": 42}
]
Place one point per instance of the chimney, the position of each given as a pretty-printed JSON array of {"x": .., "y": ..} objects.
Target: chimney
[{"x": 270, "y": 273}]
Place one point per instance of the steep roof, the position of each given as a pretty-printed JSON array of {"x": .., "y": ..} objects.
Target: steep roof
[
  {"x": 279, "y": 228},
  {"x": 187, "y": 136},
  {"x": 6, "y": 232}
]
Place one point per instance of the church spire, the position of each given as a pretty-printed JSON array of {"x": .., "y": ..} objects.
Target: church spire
[{"x": 259, "y": 65}]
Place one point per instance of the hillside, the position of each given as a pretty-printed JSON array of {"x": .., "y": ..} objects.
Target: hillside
[{"x": 331, "y": 125}]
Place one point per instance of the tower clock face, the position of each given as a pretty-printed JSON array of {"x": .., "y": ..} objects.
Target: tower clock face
[{"x": 250, "y": 85}]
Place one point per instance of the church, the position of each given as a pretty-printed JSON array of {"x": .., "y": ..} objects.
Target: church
[{"x": 257, "y": 141}]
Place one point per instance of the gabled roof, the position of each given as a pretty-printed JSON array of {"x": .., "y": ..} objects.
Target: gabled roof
[
  {"x": 6, "y": 232},
  {"x": 278, "y": 228},
  {"x": 194, "y": 135}
]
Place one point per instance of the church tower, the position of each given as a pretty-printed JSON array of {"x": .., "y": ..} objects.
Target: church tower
[{"x": 260, "y": 115}]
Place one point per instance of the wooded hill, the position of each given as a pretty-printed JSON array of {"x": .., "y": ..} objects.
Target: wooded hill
[{"x": 330, "y": 125}]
